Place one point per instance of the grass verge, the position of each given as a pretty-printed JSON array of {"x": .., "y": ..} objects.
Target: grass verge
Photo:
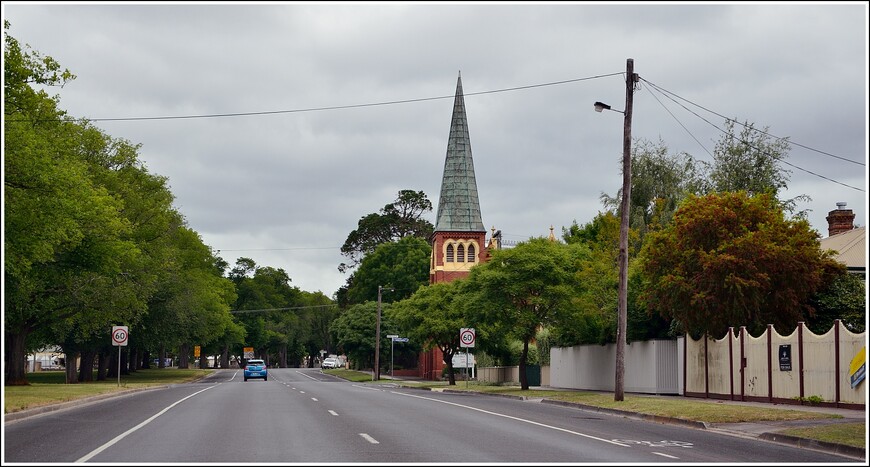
[{"x": 49, "y": 387}]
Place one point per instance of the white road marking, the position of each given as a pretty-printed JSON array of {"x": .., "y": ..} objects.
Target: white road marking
[
  {"x": 369, "y": 438},
  {"x": 301, "y": 392},
  {"x": 131, "y": 430},
  {"x": 333, "y": 412},
  {"x": 307, "y": 376},
  {"x": 515, "y": 418},
  {"x": 314, "y": 399},
  {"x": 665, "y": 455}
]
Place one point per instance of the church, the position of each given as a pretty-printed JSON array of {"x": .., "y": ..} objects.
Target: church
[{"x": 459, "y": 238}]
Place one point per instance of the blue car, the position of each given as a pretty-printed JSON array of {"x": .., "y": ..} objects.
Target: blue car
[{"x": 256, "y": 368}]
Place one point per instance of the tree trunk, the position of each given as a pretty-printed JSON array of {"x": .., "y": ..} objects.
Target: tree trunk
[
  {"x": 72, "y": 376},
  {"x": 524, "y": 380},
  {"x": 124, "y": 357},
  {"x": 448, "y": 358},
  {"x": 16, "y": 359},
  {"x": 145, "y": 360},
  {"x": 112, "y": 364},
  {"x": 102, "y": 366},
  {"x": 161, "y": 355},
  {"x": 184, "y": 356},
  {"x": 225, "y": 356},
  {"x": 86, "y": 372}
]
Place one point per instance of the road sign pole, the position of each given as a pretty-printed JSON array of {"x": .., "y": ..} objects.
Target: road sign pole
[{"x": 119, "y": 366}]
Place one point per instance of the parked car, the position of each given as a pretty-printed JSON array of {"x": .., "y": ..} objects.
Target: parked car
[
  {"x": 330, "y": 363},
  {"x": 256, "y": 368}
]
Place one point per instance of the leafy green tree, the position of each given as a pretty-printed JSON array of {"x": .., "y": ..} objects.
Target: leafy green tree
[
  {"x": 521, "y": 289},
  {"x": 659, "y": 182},
  {"x": 69, "y": 250},
  {"x": 751, "y": 161},
  {"x": 843, "y": 297},
  {"x": 399, "y": 219},
  {"x": 264, "y": 306},
  {"x": 354, "y": 332},
  {"x": 730, "y": 260},
  {"x": 430, "y": 316},
  {"x": 402, "y": 265}
]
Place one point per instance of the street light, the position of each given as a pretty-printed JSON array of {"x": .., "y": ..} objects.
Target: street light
[
  {"x": 622, "y": 313},
  {"x": 376, "y": 375}
]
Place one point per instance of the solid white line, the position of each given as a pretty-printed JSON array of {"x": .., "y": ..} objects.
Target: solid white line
[
  {"x": 369, "y": 438},
  {"x": 515, "y": 418},
  {"x": 333, "y": 412},
  {"x": 665, "y": 455},
  {"x": 307, "y": 376},
  {"x": 131, "y": 430}
]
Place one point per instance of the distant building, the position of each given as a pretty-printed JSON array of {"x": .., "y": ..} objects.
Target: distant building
[{"x": 849, "y": 242}]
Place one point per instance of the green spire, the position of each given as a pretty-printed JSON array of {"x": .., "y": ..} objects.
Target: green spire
[{"x": 459, "y": 207}]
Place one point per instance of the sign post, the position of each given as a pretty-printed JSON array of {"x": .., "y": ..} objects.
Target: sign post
[
  {"x": 119, "y": 338},
  {"x": 466, "y": 339}
]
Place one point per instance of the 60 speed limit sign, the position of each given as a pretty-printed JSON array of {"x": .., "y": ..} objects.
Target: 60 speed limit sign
[
  {"x": 119, "y": 335},
  {"x": 466, "y": 337}
]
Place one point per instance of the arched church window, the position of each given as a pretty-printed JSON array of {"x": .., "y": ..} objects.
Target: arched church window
[
  {"x": 470, "y": 253},
  {"x": 449, "y": 253},
  {"x": 460, "y": 253}
]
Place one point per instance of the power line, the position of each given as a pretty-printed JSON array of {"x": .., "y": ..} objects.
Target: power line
[
  {"x": 667, "y": 94},
  {"x": 350, "y": 106},
  {"x": 284, "y": 309},
  {"x": 664, "y": 91}
]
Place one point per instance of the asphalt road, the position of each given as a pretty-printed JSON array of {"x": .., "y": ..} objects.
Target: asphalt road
[{"x": 304, "y": 416}]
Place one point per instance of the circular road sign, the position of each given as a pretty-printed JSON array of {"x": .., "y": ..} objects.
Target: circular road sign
[
  {"x": 466, "y": 337},
  {"x": 119, "y": 335}
]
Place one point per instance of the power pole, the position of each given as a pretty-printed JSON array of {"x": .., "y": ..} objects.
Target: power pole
[
  {"x": 377, "y": 372},
  {"x": 622, "y": 317}
]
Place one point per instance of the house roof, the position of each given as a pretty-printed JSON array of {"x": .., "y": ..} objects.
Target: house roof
[
  {"x": 459, "y": 206},
  {"x": 850, "y": 247}
]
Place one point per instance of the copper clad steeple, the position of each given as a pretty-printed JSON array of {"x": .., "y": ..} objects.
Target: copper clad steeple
[{"x": 459, "y": 206}]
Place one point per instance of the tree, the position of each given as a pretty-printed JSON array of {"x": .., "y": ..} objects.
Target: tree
[
  {"x": 354, "y": 332},
  {"x": 399, "y": 219},
  {"x": 843, "y": 297},
  {"x": 402, "y": 265},
  {"x": 751, "y": 162},
  {"x": 659, "y": 182},
  {"x": 431, "y": 317},
  {"x": 70, "y": 253},
  {"x": 730, "y": 260},
  {"x": 526, "y": 287}
]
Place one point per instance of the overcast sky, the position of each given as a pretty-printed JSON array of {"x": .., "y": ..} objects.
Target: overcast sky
[{"x": 334, "y": 108}]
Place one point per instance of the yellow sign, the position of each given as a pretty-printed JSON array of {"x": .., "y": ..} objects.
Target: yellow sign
[
  {"x": 857, "y": 369},
  {"x": 196, "y": 351},
  {"x": 249, "y": 352}
]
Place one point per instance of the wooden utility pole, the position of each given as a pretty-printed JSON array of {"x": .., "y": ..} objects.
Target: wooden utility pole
[{"x": 622, "y": 313}]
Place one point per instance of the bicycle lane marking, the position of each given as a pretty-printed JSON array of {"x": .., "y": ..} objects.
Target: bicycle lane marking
[
  {"x": 123, "y": 435},
  {"x": 517, "y": 419}
]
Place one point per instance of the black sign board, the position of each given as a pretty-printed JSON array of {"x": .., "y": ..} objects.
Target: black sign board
[{"x": 785, "y": 357}]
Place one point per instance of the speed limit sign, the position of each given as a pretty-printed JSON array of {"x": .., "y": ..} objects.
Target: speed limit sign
[
  {"x": 119, "y": 335},
  {"x": 466, "y": 337}
]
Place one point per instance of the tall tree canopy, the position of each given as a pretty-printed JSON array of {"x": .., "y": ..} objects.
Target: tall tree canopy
[
  {"x": 402, "y": 265},
  {"x": 732, "y": 260},
  {"x": 526, "y": 287},
  {"x": 431, "y": 316},
  {"x": 401, "y": 218}
]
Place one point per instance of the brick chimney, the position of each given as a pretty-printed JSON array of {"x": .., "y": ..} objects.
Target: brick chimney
[{"x": 840, "y": 220}]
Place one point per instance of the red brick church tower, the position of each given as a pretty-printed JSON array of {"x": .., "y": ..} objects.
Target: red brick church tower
[{"x": 458, "y": 241}]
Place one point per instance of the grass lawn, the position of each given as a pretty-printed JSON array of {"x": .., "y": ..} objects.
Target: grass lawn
[{"x": 49, "y": 387}]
